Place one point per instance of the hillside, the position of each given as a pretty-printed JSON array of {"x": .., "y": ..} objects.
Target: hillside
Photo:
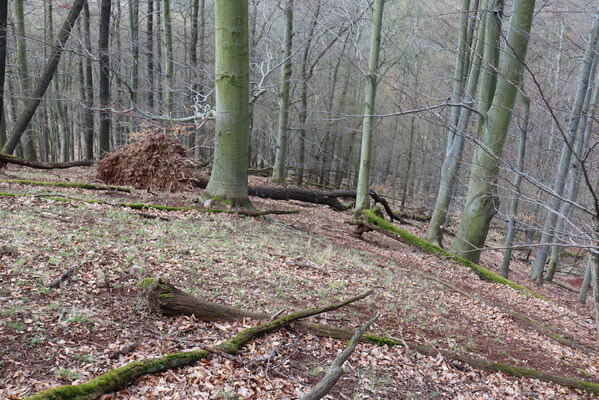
[{"x": 97, "y": 319}]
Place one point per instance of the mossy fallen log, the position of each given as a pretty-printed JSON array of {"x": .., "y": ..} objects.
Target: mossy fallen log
[
  {"x": 374, "y": 222},
  {"x": 340, "y": 333},
  {"x": 119, "y": 377},
  {"x": 8, "y": 159},
  {"x": 79, "y": 185}
]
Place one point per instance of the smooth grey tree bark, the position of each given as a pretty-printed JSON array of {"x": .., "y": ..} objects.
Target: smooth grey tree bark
[
  {"x": 279, "y": 169},
  {"x": 150, "y": 54},
  {"x": 104, "y": 77},
  {"x": 482, "y": 198},
  {"x": 168, "y": 56},
  {"x": 89, "y": 86},
  {"x": 229, "y": 178},
  {"x": 29, "y": 143},
  {"x": 134, "y": 48},
  {"x": 3, "y": 18},
  {"x": 507, "y": 254},
  {"x": 362, "y": 197},
  {"x": 586, "y": 282},
  {"x": 586, "y": 126},
  {"x": 451, "y": 163},
  {"x": 458, "y": 77},
  {"x": 564, "y": 165}
]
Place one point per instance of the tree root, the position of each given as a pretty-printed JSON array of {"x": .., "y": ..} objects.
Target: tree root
[
  {"x": 372, "y": 221},
  {"x": 340, "y": 333},
  {"x": 117, "y": 378}
]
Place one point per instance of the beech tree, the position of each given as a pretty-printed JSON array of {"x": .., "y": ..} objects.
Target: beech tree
[
  {"x": 482, "y": 198},
  {"x": 279, "y": 172},
  {"x": 104, "y": 77},
  {"x": 362, "y": 198},
  {"x": 566, "y": 155},
  {"x": 229, "y": 177}
]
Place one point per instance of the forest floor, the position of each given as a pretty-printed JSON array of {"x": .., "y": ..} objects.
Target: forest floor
[{"x": 85, "y": 327}]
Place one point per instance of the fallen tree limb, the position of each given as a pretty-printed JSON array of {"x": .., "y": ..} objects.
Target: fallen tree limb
[
  {"x": 340, "y": 333},
  {"x": 8, "y": 159},
  {"x": 329, "y": 198},
  {"x": 336, "y": 369},
  {"x": 119, "y": 377},
  {"x": 373, "y": 222},
  {"x": 478, "y": 363},
  {"x": 69, "y": 185},
  {"x": 565, "y": 286}
]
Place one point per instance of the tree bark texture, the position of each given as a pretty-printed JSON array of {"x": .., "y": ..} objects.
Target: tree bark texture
[
  {"x": 482, "y": 199},
  {"x": 362, "y": 199},
  {"x": 229, "y": 177}
]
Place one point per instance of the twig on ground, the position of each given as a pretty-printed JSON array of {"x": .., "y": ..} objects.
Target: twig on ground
[{"x": 336, "y": 369}]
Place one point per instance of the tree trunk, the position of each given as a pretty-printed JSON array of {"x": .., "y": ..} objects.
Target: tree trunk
[
  {"x": 229, "y": 177},
  {"x": 458, "y": 77},
  {"x": 586, "y": 126},
  {"x": 150, "y": 54},
  {"x": 104, "y": 78},
  {"x": 168, "y": 56},
  {"x": 451, "y": 164},
  {"x": 584, "y": 289},
  {"x": 303, "y": 114},
  {"x": 507, "y": 255},
  {"x": 28, "y": 142},
  {"x": 564, "y": 165},
  {"x": 279, "y": 172},
  {"x": 3, "y": 18},
  {"x": 481, "y": 202},
  {"x": 134, "y": 48},
  {"x": 44, "y": 80},
  {"x": 89, "y": 87},
  {"x": 362, "y": 199}
]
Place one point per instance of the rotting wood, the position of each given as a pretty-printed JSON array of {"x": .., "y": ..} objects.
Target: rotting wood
[
  {"x": 336, "y": 369},
  {"x": 8, "y": 159},
  {"x": 119, "y": 377},
  {"x": 340, "y": 333}
]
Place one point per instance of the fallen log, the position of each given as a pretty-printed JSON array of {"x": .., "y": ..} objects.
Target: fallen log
[
  {"x": 340, "y": 333},
  {"x": 119, "y": 377},
  {"x": 329, "y": 198},
  {"x": 371, "y": 221},
  {"x": 8, "y": 159}
]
